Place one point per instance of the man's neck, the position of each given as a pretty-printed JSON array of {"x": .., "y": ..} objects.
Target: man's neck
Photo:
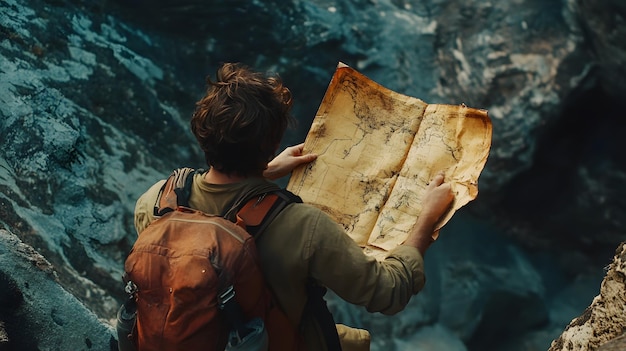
[{"x": 214, "y": 176}]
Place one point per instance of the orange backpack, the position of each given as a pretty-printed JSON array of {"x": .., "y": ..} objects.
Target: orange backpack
[{"x": 195, "y": 278}]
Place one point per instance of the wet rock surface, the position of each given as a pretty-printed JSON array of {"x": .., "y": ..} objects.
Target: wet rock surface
[{"x": 37, "y": 313}]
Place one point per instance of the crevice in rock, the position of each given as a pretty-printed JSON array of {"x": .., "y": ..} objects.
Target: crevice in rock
[
  {"x": 569, "y": 195},
  {"x": 14, "y": 326}
]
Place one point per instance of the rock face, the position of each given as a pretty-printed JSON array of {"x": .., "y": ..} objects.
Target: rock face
[
  {"x": 603, "y": 323},
  {"x": 603, "y": 26},
  {"x": 77, "y": 106},
  {"x": 94, "y": 100},
  {"x": 37, "y": 313}
]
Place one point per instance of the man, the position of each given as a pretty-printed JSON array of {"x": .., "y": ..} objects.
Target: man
[{"x": 239, "y": 124}]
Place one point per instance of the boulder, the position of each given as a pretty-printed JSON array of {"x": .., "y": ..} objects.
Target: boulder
[
  {"x": 38, "y": 313},
  {"x": 602, "y": 325}
]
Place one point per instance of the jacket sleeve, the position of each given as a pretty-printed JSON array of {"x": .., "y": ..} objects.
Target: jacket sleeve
[
  {"x": 338, "y": 263},
  {"x": 144, "y": 207}
]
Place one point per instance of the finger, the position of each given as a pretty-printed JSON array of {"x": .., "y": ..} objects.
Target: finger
[
  {"x": 307, "y": 158},
  {"x": 436, "y": 181},
  {"x": 447, "y": 188},
  {"x": 298, "y": 148}
]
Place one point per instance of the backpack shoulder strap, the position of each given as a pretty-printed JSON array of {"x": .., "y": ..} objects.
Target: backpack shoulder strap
[
  {"x": 257, "y": 214},
  {"x": 175, "y": 191},
  {"x": 260, "y": 211},
  {"x": 317, "y": 306}
]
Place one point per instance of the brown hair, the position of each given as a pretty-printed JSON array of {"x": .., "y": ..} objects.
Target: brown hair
[{"x": 241, "y": 119}]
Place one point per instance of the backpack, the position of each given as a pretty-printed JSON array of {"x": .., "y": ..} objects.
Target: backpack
[{"x": 195, "y": 281}]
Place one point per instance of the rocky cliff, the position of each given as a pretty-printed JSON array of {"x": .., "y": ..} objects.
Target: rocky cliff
[
  {"x": 95, "y": 99},
  {"x": 601, "y": 326}
]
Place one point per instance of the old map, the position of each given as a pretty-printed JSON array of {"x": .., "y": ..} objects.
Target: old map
[{"x": 377, "y": 151}]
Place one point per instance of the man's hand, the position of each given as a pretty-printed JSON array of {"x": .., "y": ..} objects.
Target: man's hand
[
  {"x": 435, "y": 203},
  {"x": 287, "y": 161},
  {"x": 437, "y": 200}
]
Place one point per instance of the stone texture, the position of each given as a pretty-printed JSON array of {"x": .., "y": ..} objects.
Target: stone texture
[
  {"x": 603, "y": 323},
  {"x": 76, "y": 102},
  {"x": 603, "y": 25},
  {"x": 37, "y": 313},
  {"x": 617, "y": 344},
  {"x": 4, "y": 338}
]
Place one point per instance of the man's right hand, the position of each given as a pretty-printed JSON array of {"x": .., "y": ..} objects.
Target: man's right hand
[{"x": 437, "y": 200}]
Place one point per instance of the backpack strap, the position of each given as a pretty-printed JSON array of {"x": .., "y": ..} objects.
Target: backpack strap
[
  {"x": 175, "y": 191},
  {"x": 257, "y": 214},
  {"x": 254, "y": 216},
  {"x": 317, "y": 306}
]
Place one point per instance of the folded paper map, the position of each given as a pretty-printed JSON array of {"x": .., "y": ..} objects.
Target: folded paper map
[{"x": 377, "y": 151}]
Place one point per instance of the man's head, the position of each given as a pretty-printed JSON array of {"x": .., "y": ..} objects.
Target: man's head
[{"x": 241, "y": 119}]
